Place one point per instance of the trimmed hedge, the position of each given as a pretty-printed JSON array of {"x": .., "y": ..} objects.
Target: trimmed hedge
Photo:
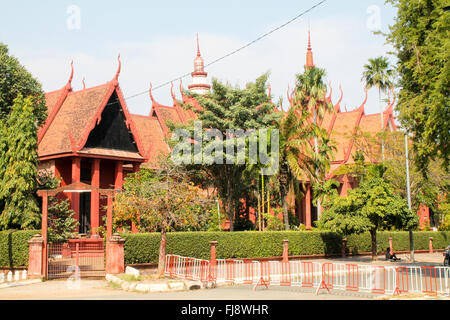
[
  {"x": 14, "y": 247},
  {"x": 144, "y": 247}
]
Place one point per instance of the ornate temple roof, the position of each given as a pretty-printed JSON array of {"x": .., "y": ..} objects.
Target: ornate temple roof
[{"x": 72, "y": 115}]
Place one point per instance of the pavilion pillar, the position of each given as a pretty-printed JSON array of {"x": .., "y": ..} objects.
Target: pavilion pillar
[
  {"x": 75, "y": 197},
  {"x": 136, "y": 167},
  {"x": 345, "y": 186},
  {"x": 95, "y": 197},
  {"x": 109, "y": 218},
  {"x": 44, "y": 228},
  {"x": 118, "y": 175},
  {"x": 308, "y": 207}
]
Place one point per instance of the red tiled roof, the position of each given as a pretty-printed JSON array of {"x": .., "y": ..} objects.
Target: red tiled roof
[
  {"x": 342, "y": 132},
  {"x": 75, "y": 114},
  {"x": 69, "y": 124},
  {"x": 152, "y": 137},
  {"x": 169, "y": 114},
  {"x": 51, "y": 98}
]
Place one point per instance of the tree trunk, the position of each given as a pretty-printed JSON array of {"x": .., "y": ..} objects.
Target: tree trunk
[
  {"x": 285, "y": 208},
  {"x": 230, "y": 209},
  {"x": 382, "y": 121},
  {"x": 162, "y": 253},
  {"x": 373, "y": 235}
]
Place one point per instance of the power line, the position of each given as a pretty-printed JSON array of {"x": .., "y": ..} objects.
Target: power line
[{"x": 235, "y": 51}]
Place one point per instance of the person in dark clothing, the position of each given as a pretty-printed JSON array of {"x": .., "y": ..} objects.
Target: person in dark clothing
[{"x": 390, "y": 256}]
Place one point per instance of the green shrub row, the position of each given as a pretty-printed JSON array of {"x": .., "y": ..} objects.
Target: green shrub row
[
  {"x": 144, "y": 248},
  {"x": 14, "y": 247}
]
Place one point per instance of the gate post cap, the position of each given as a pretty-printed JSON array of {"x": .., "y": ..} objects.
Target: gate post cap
[
  {"x": 37, "y": 238},
  {"x": 116, "y": 238}
]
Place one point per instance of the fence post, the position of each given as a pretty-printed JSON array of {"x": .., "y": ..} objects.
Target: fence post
[
  {"x": 115, "y": 255},
  {"x": 285, "y": 250},
  {"x": 390, "y": 245},
  {"x": 344, "y": 248},
  {"x": 431, "y": 245},
  {"x": 35, "y": 255}
]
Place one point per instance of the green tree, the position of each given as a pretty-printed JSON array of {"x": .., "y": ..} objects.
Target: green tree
[
  {"x": 371, "y": 207},
  {"x": 61, "y": 222},
  {"x": 15, "y": 80},
  {"x": 378, "y": 73},
  {"x": 429, "y": 191},
  {"x": 18, "y": 165},
  {"x": 297, "y": 156},
  {"x": 421, "y": 39},
  {"x": 160, "y": 200},
  {"x": 228, "y": 108}
]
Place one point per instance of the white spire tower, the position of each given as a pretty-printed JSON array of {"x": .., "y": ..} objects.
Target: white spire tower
[{"x": 199, "y": 84}]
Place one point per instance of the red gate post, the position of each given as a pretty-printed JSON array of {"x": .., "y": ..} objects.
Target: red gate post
[
  {"x": 344, "y": 248},
  {"x": 286, "y": 250},
  {"x": 115, "y": 255},
  {"x": 212, "y": 262},
  {"x": 390, "y": 245},
  {"x": 431, "y": 245},
  {"x": 36, "y": 246}
]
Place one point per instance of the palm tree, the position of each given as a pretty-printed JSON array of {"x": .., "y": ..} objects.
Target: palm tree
[
  {"x": 296, "y": 155},
  {"x": 311, "y": 93},
  {"x": 378, "y": 73}
]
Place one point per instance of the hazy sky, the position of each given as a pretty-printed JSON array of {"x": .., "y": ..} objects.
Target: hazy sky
[{"x": 156, "y": 41}]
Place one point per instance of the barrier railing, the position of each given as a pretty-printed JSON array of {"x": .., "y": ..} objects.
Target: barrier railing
[{"x": 321, "y": 276}]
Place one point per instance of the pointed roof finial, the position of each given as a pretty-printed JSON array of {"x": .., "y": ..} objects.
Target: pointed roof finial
[
  {"x": 198, "y": 47},
  {"x": 84, "y": 84},
  {"x": 150, "y": 93},
  {"x": 171, "y": 91},
  {"x": 309, "y": 54},
  {"x": 309, "y": 40},
  {"x": 199, "y": 84},
  {"x": 69, "y": 82},
  {"x": 118, "y": 69}
]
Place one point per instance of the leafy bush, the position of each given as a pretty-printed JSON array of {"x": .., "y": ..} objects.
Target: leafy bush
[
  {"x": 143, "y": 248},
  {"x": 14, "y": 247}
]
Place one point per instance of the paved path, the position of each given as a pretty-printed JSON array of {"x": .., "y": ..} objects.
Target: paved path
[{"x": 99, "y": 290}]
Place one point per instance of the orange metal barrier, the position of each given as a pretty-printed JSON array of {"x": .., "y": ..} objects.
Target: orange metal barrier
[
  {"x": 402, "y": 281},
  {"x": 264, "y": 279},
  {"x": 429, "y": 275}
]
